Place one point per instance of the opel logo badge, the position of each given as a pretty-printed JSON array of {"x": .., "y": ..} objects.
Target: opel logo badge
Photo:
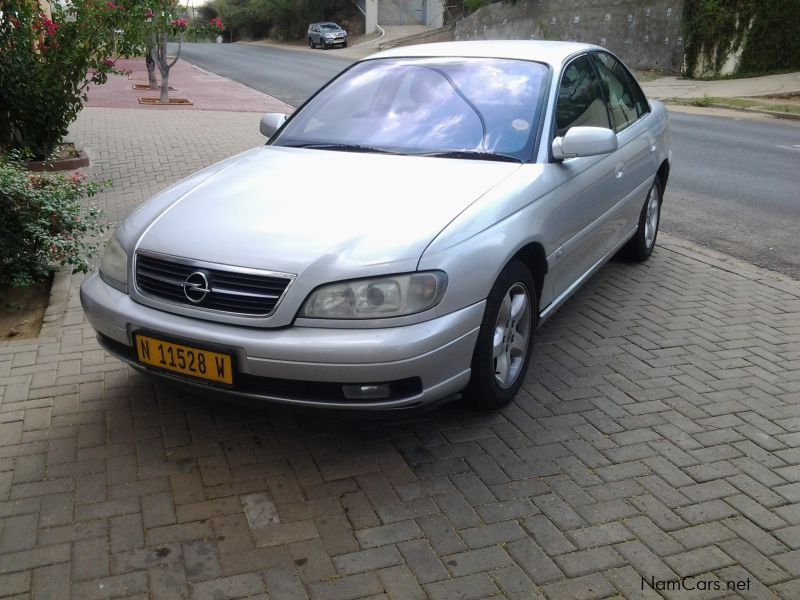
[{"x": 196, "y": 287}]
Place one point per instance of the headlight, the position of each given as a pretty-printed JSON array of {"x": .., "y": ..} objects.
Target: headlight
[
  {"x": 377, "y": 298},
  {"x": 114, "y": 266}
]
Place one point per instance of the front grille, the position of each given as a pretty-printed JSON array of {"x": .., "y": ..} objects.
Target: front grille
[{"x": 238, "y": 292}]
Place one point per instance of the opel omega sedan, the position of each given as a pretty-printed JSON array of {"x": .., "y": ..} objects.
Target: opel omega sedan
[{"x": 399, "y": 237}]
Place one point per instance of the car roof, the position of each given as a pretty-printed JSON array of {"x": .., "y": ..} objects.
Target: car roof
[{"x": 551, "y": 52}]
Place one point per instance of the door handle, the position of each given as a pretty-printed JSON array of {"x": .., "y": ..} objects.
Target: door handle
[{"x": 620, "y": 171}]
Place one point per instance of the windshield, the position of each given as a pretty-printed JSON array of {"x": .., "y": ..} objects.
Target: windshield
[
  {"x": 426, "y": 106},
  {"x": 329, "y": 26}
]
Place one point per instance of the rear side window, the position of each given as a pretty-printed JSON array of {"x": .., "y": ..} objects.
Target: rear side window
[
  {"x": 625, "y": 98},
  {"x": 580, "y": 101}
]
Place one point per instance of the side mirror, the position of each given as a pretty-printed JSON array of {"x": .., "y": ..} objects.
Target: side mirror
[
  {"x": 584, "y": 141},
  {"x": 271, "y": 122}
]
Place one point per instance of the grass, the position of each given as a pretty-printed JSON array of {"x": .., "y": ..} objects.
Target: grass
[{"x": 740, "y": 103}]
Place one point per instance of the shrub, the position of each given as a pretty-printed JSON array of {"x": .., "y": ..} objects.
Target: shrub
[
  {"x": 44, "y": 221},
  {"x": 47, "y": 62}
]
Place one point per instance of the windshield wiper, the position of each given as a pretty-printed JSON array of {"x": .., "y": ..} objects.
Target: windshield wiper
[
  {"x": 473, "y": 155},
  {"x": 343, "y": 147}
]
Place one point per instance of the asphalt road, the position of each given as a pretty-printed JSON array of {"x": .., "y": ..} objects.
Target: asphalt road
[
  {"x": 289, "y": 75},
  {"x": 734, "y": 187}
]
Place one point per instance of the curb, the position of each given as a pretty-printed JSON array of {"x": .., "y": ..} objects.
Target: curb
[
  {"x": 730, "y": 264},
  {"x": 772, "y": 113},
  {"x": 57, "y": 306}
]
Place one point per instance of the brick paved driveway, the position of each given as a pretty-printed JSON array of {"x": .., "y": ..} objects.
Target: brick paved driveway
[{"x": 657, "y": 436}]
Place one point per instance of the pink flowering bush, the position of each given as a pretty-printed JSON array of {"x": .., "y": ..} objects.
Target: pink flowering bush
[
  {"x": 45, "y": 221},
  {"x": 47, "y": 62}
]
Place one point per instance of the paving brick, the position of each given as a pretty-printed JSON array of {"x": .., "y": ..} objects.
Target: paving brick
[
  {"x": 755, "y": 512},
  {"x": 18, "y": 533},
  {"x": 643, "y": 560},
  {"x": 583, "y": 562},
  {"x": 400, "y": 583},
  {"x": 185, "y": 532},
  {"x": 15, "y": 583},
  {"x": 126, "y": 532},
  {"x": 367, "y": 560},
  {"x": 538, "y": 566},
  {"x": 347, "y": 588},
  {"x": 743, "y": 583},
  {"x": 705, "y": 512},
  {"x": 388, "y": 534},
  {"x": 257, "y": 559},
  {"x": 284, "y": 583},
  {"x": 587, "y": 587},
  {"x": 489, "y": 535},
  {"x": 547, "y": 535},
  {"x": 118, "y": 585},
  {"x": 753, "y": 561},
  {"x": 35, "y": 557},
  {"x": 52, "y": 582},
  {"x": 337, "y": 534},
  {"x": 471, "y": 587},
  {"x": 703, "y": 535},
  {"x": 312, "y": 560},
  {"x": 631, "y": 584},
  {"x": 441, "y": 535},
  {"x": 698, "y": 561},
  {"x": 201, "y": 561},
  {"x": 422, "y": 560},
  {"x": 168, "y": 581},
  {"x": 90, "y": 559},
  {"x": 476, "y": 561},
  {"x": 600, "y": 535},
  {"x": 237, "y": 586}
]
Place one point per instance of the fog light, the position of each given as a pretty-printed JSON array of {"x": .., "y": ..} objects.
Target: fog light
[{"x": 366, "y": 392}]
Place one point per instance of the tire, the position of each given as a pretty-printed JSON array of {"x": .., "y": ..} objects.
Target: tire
[
  {"x": 503, "y": 349},
  {"x": 311, "y": 43},
  {"x": 641, "y": 245}
]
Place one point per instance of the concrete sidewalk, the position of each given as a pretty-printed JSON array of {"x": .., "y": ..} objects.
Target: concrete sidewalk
[{"x": 677, "y": 87}]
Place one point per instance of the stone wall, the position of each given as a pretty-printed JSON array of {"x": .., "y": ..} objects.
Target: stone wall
[{"x": 645, "y": 34}]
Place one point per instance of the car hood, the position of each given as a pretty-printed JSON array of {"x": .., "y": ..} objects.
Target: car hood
[{"x": 286, "y": 209}]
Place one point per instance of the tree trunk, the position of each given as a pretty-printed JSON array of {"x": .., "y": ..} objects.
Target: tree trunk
[
  {"x": 150, "y": 61},
  {"x": 163, "y": 67}
]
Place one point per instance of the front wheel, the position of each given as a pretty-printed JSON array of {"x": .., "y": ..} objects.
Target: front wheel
[
  {"x": 503, "y": 348},
  {"x": 310, "y": 43},
  {"x": 641, "y": 245}
]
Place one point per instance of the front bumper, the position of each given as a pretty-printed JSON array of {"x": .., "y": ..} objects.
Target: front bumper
[{"x": 271, "y": 363}]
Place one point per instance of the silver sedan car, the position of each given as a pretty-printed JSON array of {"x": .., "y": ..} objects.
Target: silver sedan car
[{"x": 469, "y": 189}]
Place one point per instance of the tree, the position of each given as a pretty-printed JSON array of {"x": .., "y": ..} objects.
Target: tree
[{"x": 164, "y": 22}]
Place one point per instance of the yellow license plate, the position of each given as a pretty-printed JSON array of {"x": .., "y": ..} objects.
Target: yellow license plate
[{"x": 186, "y": 360}]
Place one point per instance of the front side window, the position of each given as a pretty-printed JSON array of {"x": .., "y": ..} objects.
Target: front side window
[
  {"x": 427, "y": 106},
  {"x": 621, "y": 90},
  {"x": 580, "y": 101}
]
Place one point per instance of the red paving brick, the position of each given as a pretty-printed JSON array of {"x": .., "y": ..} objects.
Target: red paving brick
[{"x": 206, "y": 91}]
